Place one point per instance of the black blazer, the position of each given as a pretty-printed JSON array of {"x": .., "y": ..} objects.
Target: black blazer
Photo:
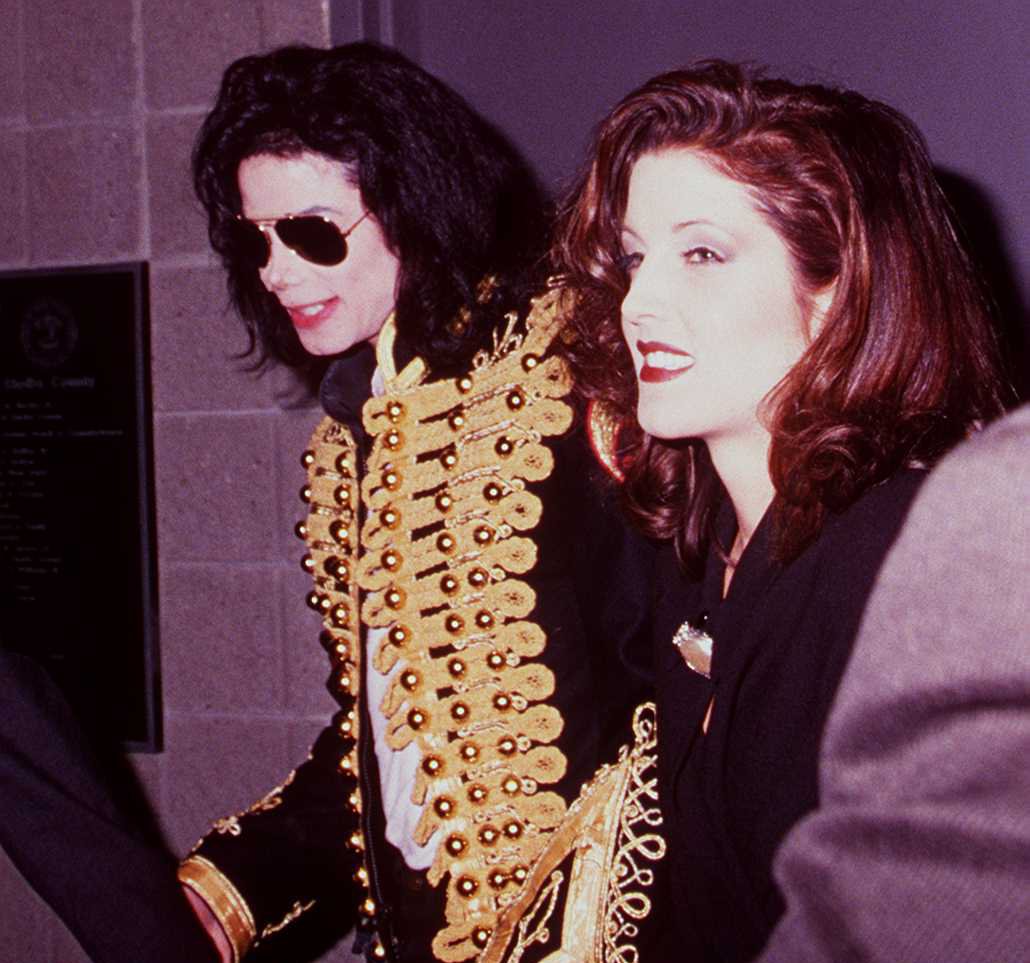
[{"x": 781, "y": 638}]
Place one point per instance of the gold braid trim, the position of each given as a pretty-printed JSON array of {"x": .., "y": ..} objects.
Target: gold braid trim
[
  {"x": 612, "y": 829},
  {"x": 447, "y": 532},
  {"x": 224, "y": 900}
]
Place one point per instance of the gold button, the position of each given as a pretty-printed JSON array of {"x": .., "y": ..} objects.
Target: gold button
[
  {"x": 305, "y": 494},
  {"x": 504, "y": 446},
  {"x": 448, "y": 585},
  {"x": 515, "y": 399},
  {"x": 445, "y": 542},
  {"x": 339, "y": 615},
  {"x": 484, "y": 619},
  {"x": 399, "y": 635},
  {"x": 443, "y": 806},
  {"x": 307, "y": 459},
  {"x": 444, "y": 502},
  {"x": 339, "y": 531},
  {"x": 483, "y": 535},
  {"x": 488, "y": 835},
  {"x": 465, "y": 384},
  {"x": 343, "y": 466},
  {"x": 456, "y": 844},
  {"x": 341, "y": 494},
  {"x": 530, "y": 361},
  {"x": 454, "y": 623},
  {"x": 477, "y": 793},
  {"x": 497, "y": 879},
  {"x": 456, "y": 667},
  {"x": 478, "y": 578}
]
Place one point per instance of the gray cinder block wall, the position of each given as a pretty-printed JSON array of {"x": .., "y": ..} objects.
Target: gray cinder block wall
[{"x": 99, "y": 103}]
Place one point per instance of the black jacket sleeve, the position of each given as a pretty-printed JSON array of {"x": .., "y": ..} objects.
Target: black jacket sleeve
[{"x": 261, "y": 869}]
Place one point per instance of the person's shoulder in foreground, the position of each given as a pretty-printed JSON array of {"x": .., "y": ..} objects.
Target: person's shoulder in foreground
[
  {"x": 66, "y": 830},
  {"x": 919, "y": 848}
]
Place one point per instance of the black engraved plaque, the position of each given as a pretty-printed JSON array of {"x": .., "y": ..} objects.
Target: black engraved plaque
[{"x": 77, "y": 567}]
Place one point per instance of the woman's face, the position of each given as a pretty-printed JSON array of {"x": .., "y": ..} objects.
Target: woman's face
[
  {"x": 332, "y": 308},
  {"x": 711, "y": 317}
]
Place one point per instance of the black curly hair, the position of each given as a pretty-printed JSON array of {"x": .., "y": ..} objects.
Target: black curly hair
[{"x": 453, "y": 198}]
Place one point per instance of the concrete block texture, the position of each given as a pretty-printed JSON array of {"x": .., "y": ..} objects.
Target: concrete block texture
[
  {"x": 295, "y": 21},
  {"x": 84, "y": 193},
  {"x": 220, "y": 639},
  {"x": 12, "y": 62},
  {"x": 196, "y": 345},
  {"x": 215, "y": 488},
  {"x": 80, "y": 66},
  {"x": 13, "y": 244},
  {"x": 177, "y": 222},
  {"x": 215, "y": 767},
  {"x": 187, "y": 46}
]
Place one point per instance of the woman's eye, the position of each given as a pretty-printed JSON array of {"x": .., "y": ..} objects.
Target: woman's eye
[{"x": 701, "y": 255}]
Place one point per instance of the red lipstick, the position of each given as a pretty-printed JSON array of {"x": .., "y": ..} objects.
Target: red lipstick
[{"x": 655, "y": 375}]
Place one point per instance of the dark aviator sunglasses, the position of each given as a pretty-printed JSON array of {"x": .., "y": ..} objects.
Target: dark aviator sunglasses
[{"x": 311, "y": 236}]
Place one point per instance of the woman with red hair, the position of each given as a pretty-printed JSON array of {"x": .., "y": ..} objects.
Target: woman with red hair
[{"x": 780, "y": 332}]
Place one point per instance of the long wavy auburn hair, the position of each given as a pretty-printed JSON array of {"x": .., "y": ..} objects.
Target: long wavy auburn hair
[{"x": 904, "y": 362}]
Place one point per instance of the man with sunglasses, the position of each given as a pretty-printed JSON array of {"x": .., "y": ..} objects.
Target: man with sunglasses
[{"x": 480, "y": 602}]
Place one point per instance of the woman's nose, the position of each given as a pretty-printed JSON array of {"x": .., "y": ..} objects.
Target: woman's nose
[{"x": 643, "y": 296}]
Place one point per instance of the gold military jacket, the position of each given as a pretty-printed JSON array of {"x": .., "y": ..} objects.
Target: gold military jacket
[{"x": 508, "y": 592}]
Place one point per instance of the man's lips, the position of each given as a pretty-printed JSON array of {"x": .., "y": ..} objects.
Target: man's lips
[
  {"x": 310, "y": 315},
  {"x": 662, "y": 362}
]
